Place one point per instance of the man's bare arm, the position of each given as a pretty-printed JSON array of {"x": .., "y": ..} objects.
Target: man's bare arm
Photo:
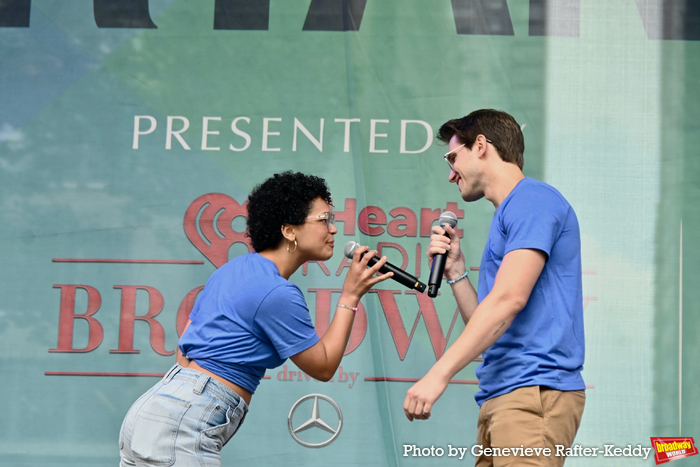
[{"x": 514, "y": 282}]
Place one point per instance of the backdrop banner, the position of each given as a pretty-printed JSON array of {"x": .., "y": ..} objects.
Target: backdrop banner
[{"x": 132, "y": 132}]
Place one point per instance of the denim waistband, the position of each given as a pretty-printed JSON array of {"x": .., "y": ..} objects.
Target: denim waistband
[{"x": 202, "y": 381}]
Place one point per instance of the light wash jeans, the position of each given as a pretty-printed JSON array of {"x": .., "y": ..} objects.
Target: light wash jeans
[{"x": 183, "y": 420}]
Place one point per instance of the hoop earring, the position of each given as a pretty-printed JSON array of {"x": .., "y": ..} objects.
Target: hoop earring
[{"x": 295, "y": 247}]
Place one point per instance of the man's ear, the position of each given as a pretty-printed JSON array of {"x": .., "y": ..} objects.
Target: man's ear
[{"x": 480, "y": 145}]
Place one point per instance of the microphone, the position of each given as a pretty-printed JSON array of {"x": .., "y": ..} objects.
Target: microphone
[
  {"x": 400, "y": 276},
  {"x": 438, "y": 268}
]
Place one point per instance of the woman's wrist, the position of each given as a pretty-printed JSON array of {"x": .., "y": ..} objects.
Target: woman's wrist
[{"x": 349, "y": 300}]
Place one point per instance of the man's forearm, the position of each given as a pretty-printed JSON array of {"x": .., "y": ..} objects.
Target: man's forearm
[
  {"x": 487, "y": 323},
  {"x": 466, "y": 298},
  {"x": 514, "y": 282}
]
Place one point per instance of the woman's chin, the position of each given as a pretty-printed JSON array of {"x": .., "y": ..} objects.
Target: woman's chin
[{"x": 327, "y": 253}]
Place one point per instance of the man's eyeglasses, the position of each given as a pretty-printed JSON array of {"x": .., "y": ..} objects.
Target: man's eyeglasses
[
  {"x": 327, "y": 217},
  {"x": 450, "y": 156}
]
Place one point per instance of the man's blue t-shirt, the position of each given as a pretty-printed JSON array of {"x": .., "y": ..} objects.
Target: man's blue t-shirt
[
  {"x": 544, "y": 345},
  {"x": 248, "y": 318}
]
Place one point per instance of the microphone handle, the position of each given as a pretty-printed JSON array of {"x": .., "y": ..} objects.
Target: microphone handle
[
  {"x": 400, "y": 276},
  {"x": 436, "y": 272}
]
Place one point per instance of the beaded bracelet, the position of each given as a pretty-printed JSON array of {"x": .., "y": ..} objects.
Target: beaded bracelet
[
  {"x": 466, "y": 273},
  {"x": 348, "y": 307}
]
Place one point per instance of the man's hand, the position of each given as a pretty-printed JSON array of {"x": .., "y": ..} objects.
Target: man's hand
[
  {"x": 421, "y": 397},
  {"x": 440, "y": 244}
]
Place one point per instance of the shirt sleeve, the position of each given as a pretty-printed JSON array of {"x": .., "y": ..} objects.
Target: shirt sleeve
[
  {"x": 284, "y": 318},
  {"x": 534, "y": 220}
]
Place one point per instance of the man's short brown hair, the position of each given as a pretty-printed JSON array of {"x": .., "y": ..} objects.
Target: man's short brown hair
[{"x": 497, "y": 126}]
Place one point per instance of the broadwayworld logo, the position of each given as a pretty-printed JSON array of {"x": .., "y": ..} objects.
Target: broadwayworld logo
[{"x": 670, "y": 449}]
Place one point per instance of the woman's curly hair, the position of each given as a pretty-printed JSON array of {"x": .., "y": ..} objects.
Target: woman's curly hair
[{"x": 282, "y": 199}]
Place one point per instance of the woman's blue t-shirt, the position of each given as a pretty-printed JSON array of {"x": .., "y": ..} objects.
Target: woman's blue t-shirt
[{"x": 248, "y": 318}]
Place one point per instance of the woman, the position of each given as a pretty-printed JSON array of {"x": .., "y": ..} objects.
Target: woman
[{"x": 248, "y": 318}]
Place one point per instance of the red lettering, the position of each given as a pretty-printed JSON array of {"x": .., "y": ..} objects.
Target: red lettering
[
  {"x": 347, "y": 217},
  {"x": 216, "y": 212},
  {"x": 323, "y": 318},
  {"x": 345, "y": 263},
  {"x": 402, "y": 339},
  {"x": 128, "y": 316},
  {"x": 409, "y": 222},
  {"x": 321, "y": 264},
  {"x": 369, "y": 217},
  {"x": 459, "y": 213},
  {"x": 67, "y": 317},
  {"x": 402, "y": 250},
  {"x": 587, "y": 300},
  {"x": 427, "y": 218}
]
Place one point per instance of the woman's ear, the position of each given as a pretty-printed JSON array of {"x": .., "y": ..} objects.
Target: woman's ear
[{"x": 288, "y": 232}]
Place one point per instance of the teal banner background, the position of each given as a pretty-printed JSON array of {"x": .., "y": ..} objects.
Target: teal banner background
[{"x": 116, "y": 118}]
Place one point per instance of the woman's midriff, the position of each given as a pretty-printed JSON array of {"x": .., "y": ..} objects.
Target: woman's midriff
[{"x": 192, "y": 365}]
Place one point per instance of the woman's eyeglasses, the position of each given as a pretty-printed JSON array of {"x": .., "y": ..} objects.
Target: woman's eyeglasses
[{"x": 328, "y": 217}]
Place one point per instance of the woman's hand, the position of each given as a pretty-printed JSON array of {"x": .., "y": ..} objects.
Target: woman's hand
[
  {"x": 322, "y": 359},
  {"x": 361, "y": 277}
]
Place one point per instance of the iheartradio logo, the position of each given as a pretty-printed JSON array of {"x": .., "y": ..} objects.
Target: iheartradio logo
[{"x": 208, "y": 226}]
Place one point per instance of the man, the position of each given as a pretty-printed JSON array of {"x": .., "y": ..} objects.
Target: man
[{"x": 527, "y": 317}]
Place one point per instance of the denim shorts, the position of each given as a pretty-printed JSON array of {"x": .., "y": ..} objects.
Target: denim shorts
[{"x": 186, "y": 418}]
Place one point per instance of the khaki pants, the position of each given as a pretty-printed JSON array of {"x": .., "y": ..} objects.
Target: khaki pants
[{"x": 529, "y": 417}]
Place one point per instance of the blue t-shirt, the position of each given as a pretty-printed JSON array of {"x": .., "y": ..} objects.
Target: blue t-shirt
[
  {"x": 544, "y": 345},
  {"x": 248, "y": 318}
]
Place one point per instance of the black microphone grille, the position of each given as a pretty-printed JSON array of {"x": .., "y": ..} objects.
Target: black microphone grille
[
  {"x": 350, "y": 248},
  {"x": 448, "y": 218}
]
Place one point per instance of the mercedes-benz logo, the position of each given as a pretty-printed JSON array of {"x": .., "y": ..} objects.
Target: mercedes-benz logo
[{"x": 315, "y": 421}]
